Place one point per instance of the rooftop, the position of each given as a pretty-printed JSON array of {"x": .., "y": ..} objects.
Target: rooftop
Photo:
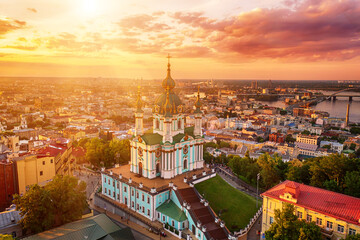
[
  {"x": 329, "y": 203},
  {"x": 158, "y": 182},
  {"x": 170, "y": 209},
  {"x": 96, "y": 227}
]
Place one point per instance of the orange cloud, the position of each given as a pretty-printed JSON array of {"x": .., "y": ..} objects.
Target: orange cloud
[
  {"x": 8, "y": 25},
  {"x": 32, "y": 10},
  {"x": 326, "y": 30}
]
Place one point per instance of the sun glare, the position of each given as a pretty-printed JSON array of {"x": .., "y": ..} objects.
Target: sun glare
[{"x": 89, "y": 7}]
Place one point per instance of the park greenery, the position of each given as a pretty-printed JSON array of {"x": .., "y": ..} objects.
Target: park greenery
[
  {"x": 105, "y": 153},
  {"x": 61, "y": 201},
  {"x": 234, "y": 207},
  {"x": 288, "y": 227},
  {"x": 336, "y": 172}
]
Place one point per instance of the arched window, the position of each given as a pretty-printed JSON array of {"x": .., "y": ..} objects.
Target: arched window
[
  {"x": 157, "y": 124},
  {"x": 185, "y": 164},
  {"x": 179, "y": 124},
  {"x": 157, "y": 167}
]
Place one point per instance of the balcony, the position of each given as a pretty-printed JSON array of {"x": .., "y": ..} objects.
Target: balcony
[{"x": 327, "y": 232}]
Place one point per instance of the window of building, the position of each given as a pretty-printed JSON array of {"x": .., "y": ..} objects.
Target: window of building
[
  {"x": 318, "y": 221},
  {"x": 340, "y": 228},
  {"x": 113, "y": 183},
  {"x": 113, "y": 194},
  {"x": 149, "y": 212},
  {"x": 43, "y": 162},
  {"x": 329, "y": 224},
  {"x": 157, "y": 124},
  {"x": 179, "y": 124},
  {"x": 137, "y": 194},
  {"x": 143, "y": 209},
  {"x": 308, "y": 218},
  {"x": 117, "y": 185},
  {"x": 118, "y": 196},
  {"x": 132, "y": 204},
  {"x": 137, "y": 206},
  {"x": 299, "y": 215},
  {"x": 185, "y": 164},
  {"x": 183, "y": 224},
  {"x": 41, "y": 173},
  {"x": 271, "y": 220},
  {"x": 352, "y": 231},
  {"x": 143, "y": 197},
  {"x": 51, "y": 161},
  {"x": 105, "y": 190},
  {"x": 109, "y": 181},
  {"x": 172, "y": 223},
  {"x": 132, "y": 193},
  {"x": 148, "y": 199},
  {"x": 124, "y": 189}
]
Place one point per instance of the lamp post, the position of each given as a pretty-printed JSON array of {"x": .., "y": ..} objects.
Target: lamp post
[{"x": 257, "y": 188}]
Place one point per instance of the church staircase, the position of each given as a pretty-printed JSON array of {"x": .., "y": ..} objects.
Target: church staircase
[{"x": 201, "y": 213}]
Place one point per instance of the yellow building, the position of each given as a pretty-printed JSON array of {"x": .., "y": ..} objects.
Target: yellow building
[
  {"x": 337, "y": 214},
  {"x": 308, "y": 139},
  {"x": 33, "y": 170}
]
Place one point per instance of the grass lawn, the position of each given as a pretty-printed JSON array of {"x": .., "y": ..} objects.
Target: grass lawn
[{"x": 237, "y": 208}]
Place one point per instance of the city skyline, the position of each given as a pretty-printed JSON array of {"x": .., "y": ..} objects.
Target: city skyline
[{"x": 292, "y": 40}]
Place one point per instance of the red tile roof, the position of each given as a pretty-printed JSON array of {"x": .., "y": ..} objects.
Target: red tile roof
[
  {"x": 329, "y": 203},
  {"x": 49, "y": 151}
]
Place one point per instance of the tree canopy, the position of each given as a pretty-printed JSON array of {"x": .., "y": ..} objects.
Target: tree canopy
[
  {"x": 61, "y": 201},
  {"x": 288, "y": 227},
  {"x": 101, "y": 153}
]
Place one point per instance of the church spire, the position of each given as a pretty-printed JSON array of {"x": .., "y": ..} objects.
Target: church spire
[
  {"x": 168, "y": 81},
  {"x": 197, "y": 102},
  {"x": 139, "y": 102}
]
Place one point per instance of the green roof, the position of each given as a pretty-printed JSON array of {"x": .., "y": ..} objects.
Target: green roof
[
  {"x": 190, "y": 131},
  {"x": 171, "y": 210},
  {"x": 95, "y": 228},
  {"x": 152, "y": 138}
]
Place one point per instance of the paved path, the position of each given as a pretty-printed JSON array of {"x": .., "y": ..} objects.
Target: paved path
[{"x": 253, "y": 233}]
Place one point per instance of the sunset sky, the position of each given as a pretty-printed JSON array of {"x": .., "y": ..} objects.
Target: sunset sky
[{"x": 220, "y": 39}]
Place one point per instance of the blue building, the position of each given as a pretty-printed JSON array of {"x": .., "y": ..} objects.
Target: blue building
[{"x": 164, "y": 164}]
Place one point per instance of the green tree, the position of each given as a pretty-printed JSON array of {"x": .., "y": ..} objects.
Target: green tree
[
  {"x": 6, "y": 237},
  {"x": 288, "y": 227},
  {"x": 270, "y": 175},
  {"x": 61, "y": 201},
  {"x": 285, "y": 226},
  {"x": 289, "y": 138},
  {"x": 352, "y": 183},
  {"x": 353, "y": 237}
]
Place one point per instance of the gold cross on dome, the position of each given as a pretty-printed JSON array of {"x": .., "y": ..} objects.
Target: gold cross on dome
[{"x": 168, "y": 57}]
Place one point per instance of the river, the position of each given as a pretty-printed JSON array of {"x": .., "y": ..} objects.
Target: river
[{"x": 335, "y": 108}]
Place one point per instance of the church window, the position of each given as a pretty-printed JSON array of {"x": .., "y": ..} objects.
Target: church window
[
  {"x": 143, "y": 197},
  {"x": 148, "y": 199},
  {"x": 137, "y": 195},
  {"x": 172, "y": 223},
  {"x": 143, "y": 209},
  {"x": 157, "y": 124},
  {"x": 137, "y": 206},
  {"x": 124, "y": 189},
  {"x": 132, "y": 193},
  {"x": 179, "y": 124},
  {"x": 132, "y": 204},
  {"x": 163, "y": 218},
  {"x": 157, "y": 167},
  {"x": 185, "y": 164},
  {"x": 148, "y": 212}
]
